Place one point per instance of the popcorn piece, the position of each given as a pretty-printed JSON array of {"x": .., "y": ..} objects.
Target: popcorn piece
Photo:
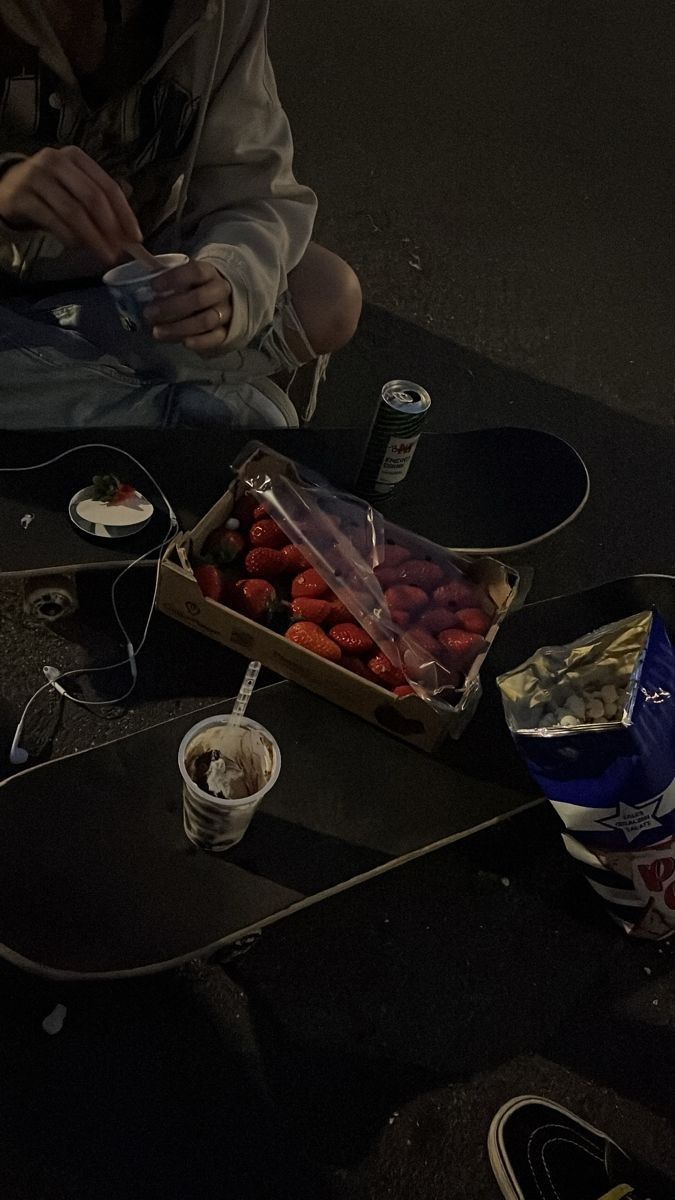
[
  {"x": 595, "y": 710},
  {"x": 576, "y": 706},
  {"x": 598, "y": 702}
]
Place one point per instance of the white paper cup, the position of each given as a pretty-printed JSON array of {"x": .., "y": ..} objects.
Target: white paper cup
[
  {"x": 212, "y": 822},
  {"x": 131, "y": 287}
]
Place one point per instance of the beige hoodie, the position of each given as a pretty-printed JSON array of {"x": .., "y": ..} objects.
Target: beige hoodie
[{"x": 201, "y": 141}]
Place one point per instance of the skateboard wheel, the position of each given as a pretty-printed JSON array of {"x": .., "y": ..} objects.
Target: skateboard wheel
[{"x": 50, "y": 598}]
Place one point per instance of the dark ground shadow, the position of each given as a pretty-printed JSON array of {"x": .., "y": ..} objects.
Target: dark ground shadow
[
  {"x": 143, "y": 1093},
  {"x": 361, "y": 1046},
  {"x": 488, "y": 953}
]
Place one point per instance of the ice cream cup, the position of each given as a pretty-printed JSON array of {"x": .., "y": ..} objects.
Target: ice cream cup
[
  {"x": 245, "y": 761},
  {"x": 131, "y": 287}
]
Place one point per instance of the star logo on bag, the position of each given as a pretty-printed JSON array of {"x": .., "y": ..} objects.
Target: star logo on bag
[{"x": 633, "y": 821}]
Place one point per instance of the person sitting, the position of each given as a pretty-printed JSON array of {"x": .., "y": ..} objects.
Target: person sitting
[{"x": 159, "y": 121}]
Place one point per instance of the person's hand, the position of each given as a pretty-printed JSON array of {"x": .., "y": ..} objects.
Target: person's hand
[
  {"x": 66, "y": 193},
  {"x": 199, "y": 311}
]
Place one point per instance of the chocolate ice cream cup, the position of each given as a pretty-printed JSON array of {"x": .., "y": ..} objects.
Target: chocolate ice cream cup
[{"x": 227, "y": 766}]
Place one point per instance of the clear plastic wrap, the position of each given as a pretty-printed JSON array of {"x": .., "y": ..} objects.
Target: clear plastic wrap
[{"x": 350, "y": 543}]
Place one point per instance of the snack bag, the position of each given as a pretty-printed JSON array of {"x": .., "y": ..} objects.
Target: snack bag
[{"x": 595, "y": 722}]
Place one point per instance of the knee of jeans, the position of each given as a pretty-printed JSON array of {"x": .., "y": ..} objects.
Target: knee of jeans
[
  {"x": 242, "y": 406},
  {"x": 191, "y": 405}
]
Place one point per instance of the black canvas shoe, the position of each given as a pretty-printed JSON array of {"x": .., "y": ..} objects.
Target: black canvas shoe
[{"x": 540, "y": 1151}]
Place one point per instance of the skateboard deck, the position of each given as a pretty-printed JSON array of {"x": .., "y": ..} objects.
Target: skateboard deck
[
  {"x": 39, "y": 537},
  {"x": 492, "y": 491},
  {"x": 191, "y": 465},
  {"x": 488, "y": 490},
  {"x": 562, "y": 619},
  {"x": 98, "y": 879}
]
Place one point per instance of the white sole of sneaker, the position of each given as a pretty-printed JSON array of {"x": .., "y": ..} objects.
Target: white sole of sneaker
[{"x": 499, "y": 1161}]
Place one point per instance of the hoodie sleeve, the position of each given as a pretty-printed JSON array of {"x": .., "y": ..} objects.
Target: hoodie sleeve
[
  {"x": 245, "y": 211},
  {"x": 13, "y": 242}
]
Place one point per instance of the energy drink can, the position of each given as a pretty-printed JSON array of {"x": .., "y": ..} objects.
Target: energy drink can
[{"x": 393, "y": 439}]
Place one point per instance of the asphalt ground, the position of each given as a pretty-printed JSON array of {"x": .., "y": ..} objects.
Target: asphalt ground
[{"x": 499, "y": 172}]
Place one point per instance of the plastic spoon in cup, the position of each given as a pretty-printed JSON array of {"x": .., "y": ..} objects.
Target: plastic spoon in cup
[
  {"x": 139, "y": 252},
  {"x": 245, "y": 692}
]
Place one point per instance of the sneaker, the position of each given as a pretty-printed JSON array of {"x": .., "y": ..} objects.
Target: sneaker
[{"x": 540, "y": 1151}]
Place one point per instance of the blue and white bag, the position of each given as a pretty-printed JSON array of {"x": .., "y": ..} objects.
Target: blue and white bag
[{"x": 595, "y": 722}]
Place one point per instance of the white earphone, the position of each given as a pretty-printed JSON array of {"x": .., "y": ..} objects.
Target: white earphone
[{"x": 17, "y": 755}]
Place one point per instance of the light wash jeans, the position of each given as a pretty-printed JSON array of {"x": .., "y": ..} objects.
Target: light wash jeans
[{"x": 66, "y": 362}]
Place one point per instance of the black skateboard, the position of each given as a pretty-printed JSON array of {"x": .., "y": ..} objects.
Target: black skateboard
[
  {"x": 97, "y": 878},
  {"x": 492, "y": 491},
  {"x": 489, "y": 490},
  {"x": 39, "y": 538}
]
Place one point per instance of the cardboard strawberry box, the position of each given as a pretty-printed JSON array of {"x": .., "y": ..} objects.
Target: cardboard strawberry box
[{"x": 424, "y": 723}]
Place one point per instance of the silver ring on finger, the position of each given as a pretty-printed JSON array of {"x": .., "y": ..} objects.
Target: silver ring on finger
[{"x": 220, "y": 315}]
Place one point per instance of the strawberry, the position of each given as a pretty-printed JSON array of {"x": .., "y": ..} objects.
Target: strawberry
[
  {"x": 339, "y": 612},
  {"x": 387, "y": 674},
  {"x": 109, "y": 489},
  {"x": 421, "y": 573},
  {"x": 211, "y": 581},
  {"x": 395, "y": 555},
  {"x": 309, "y": 583},
  {"x": 436, "y": 619},
  {"x": 460, "y": 648},
  {"x": 305, "y": 608},
  {"x": 224, "y": 545},
  {"x": 294, "y": 559},
  {"x": 312, "y": 637},
  {"x": 386, "y": 576},
  {"x": 458, "y": 593},
  {"x": 475, "y": 620},
  {"x": 256, "y": 598},
  {"x": 404, "y": 690},
  {"x": 410, "y": 599},
  {"x": 358, "y": 667},
  {"x": 267, "y": 533},
  {"x": 426, "y": 640},
  {"x": 260, "y": 512},
  {"x": 400, "y": 617},
  {"x": 352, "y": 639},
  {"x": 264, "y": 562}
]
